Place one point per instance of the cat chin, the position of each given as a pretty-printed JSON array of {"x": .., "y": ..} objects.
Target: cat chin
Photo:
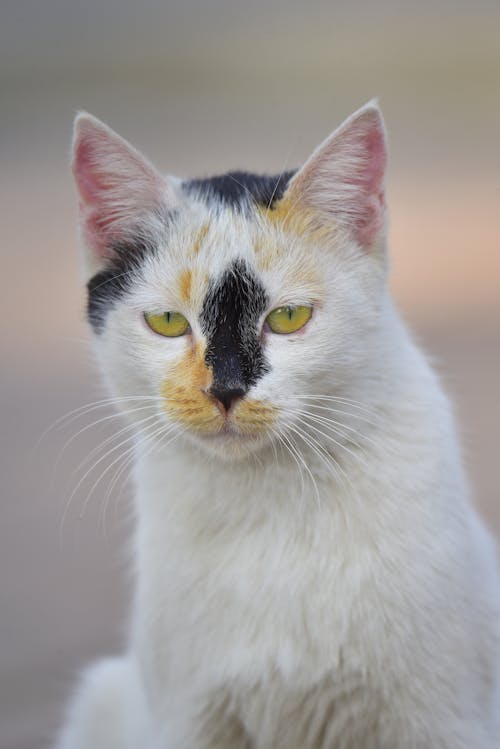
[{"x": 229, "y": 446}]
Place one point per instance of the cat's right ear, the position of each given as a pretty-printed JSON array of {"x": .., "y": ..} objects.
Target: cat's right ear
[
  {"x": 342, "y": 183},
  {"x": 120, "y": 192}
]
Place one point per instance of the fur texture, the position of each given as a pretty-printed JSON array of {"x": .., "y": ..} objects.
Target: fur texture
[{"x": 310, "y": 572}]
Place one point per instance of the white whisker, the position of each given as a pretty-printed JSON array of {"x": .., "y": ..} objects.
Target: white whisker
[
  {"x": 128, "y": 461},
  {"x": 127, "y": 428},
  {"x": 335, "y": 468},
  {"x": 304, "y": 463},
  {"x": 341, "y": 412},
  {"x": 285, "y": 443},
  {"x": 333, "y": 440},
  {"x": 93, "y": 424},
  {"x": 127, "y": 452},
  {"x": 66, "y": 418},
  {"x": 86, "y": 474},
  {"x": 278, "y": 180},
  {"x": 340, "y": 428}
]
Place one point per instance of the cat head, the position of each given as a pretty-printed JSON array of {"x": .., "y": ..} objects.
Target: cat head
[{"x": 230, "y": 306}]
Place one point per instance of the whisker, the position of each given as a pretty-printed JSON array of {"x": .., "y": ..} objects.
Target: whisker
[
  {"x": 88, "y": 408},
  {"x": 93, "y": 424},
  {"x": 363, "y": 438},
  {"x": 86, "y": 474},
  {"x": 333, "y": 440},
  {"x": 131, "y": 272},
  {"x": 121, "y": 471},
  {"x": 302, "y": 460},
  {"x": 338, "y": 429},
  {"x": 129, "y": 460},
  {"x": 281, "y": 440},
  {"x": 282, "y": 172},
  {"x": 163, "y": 432},
  {"x": 275, "y": 433},
  {"x": 127, "y": 428},
  {"x": 335, "y": 425},
  {"x": 320, "y": 450},
  {"x": 231, "y": 176},
  {"x": 359, "y": 405},
  {"x": 337, "y": 471},
  {"x": 127, "y": 452},
  {"x": 342, "y": 412}
]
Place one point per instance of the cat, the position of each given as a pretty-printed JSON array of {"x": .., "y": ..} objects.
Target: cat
[{"x": 310, "y": 572}]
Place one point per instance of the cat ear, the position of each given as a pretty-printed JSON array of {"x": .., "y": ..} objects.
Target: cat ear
[
  {"x": 342, "y": 182},
  {"x": 120, "y": 192}
]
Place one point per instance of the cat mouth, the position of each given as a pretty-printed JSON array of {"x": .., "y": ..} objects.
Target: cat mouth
[{"x": 229, "y": 431}]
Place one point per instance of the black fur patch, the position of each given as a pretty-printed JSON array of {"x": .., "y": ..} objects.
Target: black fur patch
[
  {"x": 109, "y": 285},
  {"x": 230, "y": 316},
  {"x": 240, "y": 190}
]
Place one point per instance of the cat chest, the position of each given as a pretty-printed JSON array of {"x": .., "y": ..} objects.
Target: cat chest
[
  {"x": 341, "y": 710},
  {"x": 233, "y": 611}
]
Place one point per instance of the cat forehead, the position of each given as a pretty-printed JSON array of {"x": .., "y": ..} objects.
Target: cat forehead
[
  {"x": 227, "y": 217},
  {"x": 206, "y": 245}
]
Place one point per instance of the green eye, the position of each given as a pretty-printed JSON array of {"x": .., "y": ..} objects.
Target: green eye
[
  {"x": 171, "y": 324},
  {"x": 288, "y": 319}
]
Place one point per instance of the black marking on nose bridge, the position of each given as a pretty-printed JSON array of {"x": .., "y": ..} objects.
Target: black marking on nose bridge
[
  {"x": 230, "y": 316},
  {"x": 240, "y": 190}
]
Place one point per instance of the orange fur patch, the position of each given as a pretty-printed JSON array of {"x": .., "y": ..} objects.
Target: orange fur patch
[
  {"x": 254, "y": 416},
  {"x": 200, "y": 237},
  {"x": 288, "y": 218},
  {"x": 185, "y": 284},
  {"x": 191, "y": 284},
  {"x": 184, "y": 399},
  {"x": 289, "y": 215}
]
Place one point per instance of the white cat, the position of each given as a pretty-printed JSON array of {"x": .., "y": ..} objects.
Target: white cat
[{"x": 310, "y": 573}]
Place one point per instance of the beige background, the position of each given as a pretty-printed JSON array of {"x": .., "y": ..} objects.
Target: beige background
[{"x": 201, "y": 87}]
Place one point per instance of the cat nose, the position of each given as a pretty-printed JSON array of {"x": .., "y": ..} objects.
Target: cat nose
[{"x": 226, "y": 396}]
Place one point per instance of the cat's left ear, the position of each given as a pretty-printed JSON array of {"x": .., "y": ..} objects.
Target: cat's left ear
[
  {"x": 121, "y": 193},
  {"x": 342, "y": 183}
]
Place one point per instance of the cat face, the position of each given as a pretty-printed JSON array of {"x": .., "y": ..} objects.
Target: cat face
[{"x": 228, "y": 305}]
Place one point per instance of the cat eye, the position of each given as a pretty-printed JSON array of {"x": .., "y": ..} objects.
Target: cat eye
[
  {"x": 288, "y": 319},
  {"x": 170, "y": 324}
]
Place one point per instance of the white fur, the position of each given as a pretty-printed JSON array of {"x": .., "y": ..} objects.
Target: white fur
[{"x": 344, "y": 597}]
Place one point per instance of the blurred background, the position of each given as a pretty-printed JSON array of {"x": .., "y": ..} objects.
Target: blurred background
[{"x": 203, "y": 87}]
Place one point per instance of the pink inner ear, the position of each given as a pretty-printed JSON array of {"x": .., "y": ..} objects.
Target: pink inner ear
[
  {"x": 369, "y": 178},
  {"x": 95, "y": 234},
  {"x": 376, "y": 158},
  {"x": 86, "y": 172},
  {"x": 92, "y": 204},
  {"x": 117, "y": 186},
  {"x": 343, "y": 181}
]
